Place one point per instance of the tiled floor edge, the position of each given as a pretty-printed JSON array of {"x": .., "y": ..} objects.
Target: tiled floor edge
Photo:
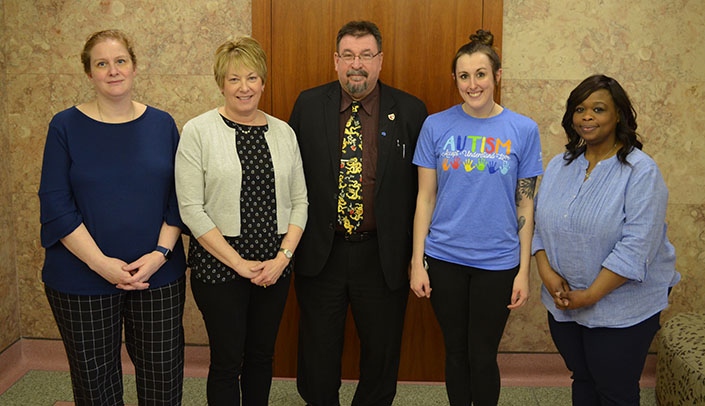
[{"x": 517, "y": 369}]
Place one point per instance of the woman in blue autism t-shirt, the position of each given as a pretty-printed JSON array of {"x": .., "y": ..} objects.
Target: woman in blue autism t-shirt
[{"x": 478, "y": 163}]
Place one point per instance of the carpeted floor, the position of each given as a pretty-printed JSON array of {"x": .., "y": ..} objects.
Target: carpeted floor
[{"x": 48, "y": 388}]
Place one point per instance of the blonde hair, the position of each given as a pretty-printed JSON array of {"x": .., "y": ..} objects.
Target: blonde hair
[{"x": 242, "y": 51}]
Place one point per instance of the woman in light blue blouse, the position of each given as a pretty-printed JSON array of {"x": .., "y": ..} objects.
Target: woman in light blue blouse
[{"x": 601, "y": 246}]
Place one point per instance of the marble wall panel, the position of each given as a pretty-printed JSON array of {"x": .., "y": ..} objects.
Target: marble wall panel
[
  {"x": 184, "y": 97},
  {"x": 36, "y": 318},
  {"x": 655, "y": 49},
  {"x": 170, "y": 37},
  {"x": 644, "y": 40},
  {"x": 9, "y": 299}
]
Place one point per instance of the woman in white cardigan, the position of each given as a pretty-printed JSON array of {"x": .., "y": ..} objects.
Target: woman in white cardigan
[{"x": 242, "y": 194}]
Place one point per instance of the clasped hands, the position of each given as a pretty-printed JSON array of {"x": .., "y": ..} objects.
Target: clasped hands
[
  {"x": 135, "y": 275},
  {"x": 263, "y": 273},
  {"x": 132, "y": 276},
  {"x": 564, "y": 297}
]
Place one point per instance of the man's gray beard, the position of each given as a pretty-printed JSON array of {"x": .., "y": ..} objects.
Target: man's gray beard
[{"x": 356, "y": 89}]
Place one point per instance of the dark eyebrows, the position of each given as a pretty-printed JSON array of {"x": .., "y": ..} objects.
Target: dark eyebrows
[{"x": 351, "y": 52}]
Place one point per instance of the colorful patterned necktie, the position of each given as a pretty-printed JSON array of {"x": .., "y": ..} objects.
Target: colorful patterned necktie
[{"x": 350, "y": 178}]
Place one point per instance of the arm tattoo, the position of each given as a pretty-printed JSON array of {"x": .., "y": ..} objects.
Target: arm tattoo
[{"x": 525, "y": 189}]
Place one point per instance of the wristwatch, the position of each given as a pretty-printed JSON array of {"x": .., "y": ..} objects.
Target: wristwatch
[
  {"x": 165, "y": 251},
  {"x": 288, "y": 254}
]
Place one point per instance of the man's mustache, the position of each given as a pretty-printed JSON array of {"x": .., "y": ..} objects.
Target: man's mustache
[{"x": 357, "y": 72}]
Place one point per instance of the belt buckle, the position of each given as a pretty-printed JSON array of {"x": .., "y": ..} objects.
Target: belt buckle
[{"x": 357, "y": 237}]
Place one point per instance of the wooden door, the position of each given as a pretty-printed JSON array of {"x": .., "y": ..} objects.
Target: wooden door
[{"x": 419, "y": 41}]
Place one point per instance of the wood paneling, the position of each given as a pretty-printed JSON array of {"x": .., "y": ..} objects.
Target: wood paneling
[{"x": 420, "y": 38}]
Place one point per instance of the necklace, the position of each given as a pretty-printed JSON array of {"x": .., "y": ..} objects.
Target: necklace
[
  {"x": 588, "y": 171},
  {"x": 239, "y": 128},
  {"x": 100, "y": 114},
  {"x": 240, "y": 125}
]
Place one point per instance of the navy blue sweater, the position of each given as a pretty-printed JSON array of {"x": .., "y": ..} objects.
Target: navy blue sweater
[{"x": 117, "y": 179}]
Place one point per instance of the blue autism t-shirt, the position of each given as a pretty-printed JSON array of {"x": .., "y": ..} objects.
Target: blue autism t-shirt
[{"x": 478, "y": 162}]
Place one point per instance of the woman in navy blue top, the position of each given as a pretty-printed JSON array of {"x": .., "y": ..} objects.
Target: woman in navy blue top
[{"x": 111, "y": 229}]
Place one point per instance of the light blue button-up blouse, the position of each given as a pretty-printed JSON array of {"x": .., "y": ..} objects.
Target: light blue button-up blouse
[{"x": 615, "y": 219}]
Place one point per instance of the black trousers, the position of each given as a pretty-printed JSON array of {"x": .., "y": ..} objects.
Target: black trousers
[
  {"x": 242, "y": 321},
  {"x": 91, "y": 329},
  {"x": 352, "y": 277},
  {"x": 606, "y": 362},
  {"x": 471, "y": 308}
]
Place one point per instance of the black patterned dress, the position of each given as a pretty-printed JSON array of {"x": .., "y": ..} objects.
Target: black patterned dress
[{"x": 258, "y": 239}]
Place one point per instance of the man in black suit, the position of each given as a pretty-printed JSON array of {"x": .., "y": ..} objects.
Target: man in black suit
[{"x": 364, "y": 265}]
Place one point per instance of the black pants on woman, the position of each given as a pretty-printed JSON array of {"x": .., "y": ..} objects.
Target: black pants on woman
[
  {"x": 471, "y": 308},
  {"x": 606, "y": 362},
  {"x": 242, "y": 321}
]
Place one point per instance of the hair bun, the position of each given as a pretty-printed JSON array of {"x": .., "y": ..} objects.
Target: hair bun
[{"x": 483, "y": 37}]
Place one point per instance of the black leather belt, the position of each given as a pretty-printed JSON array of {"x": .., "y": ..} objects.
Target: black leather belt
[{"x": 356, "y": 237}]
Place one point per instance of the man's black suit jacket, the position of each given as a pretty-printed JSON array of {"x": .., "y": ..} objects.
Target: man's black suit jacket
[{"x": 316, "y": 120}]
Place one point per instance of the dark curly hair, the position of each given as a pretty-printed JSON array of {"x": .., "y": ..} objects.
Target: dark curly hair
[{"x": 626, "y": 127}]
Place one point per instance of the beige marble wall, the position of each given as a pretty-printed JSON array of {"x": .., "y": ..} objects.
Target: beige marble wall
[
  {"x": 9, "y": 303},
  {"x": 654, "y": 48}
]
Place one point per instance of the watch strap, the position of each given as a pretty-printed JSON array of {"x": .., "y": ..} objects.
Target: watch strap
[{"x": 165, "y": 251}]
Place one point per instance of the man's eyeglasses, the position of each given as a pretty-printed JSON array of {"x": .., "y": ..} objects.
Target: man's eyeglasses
[{"x": 349, "y": 57}]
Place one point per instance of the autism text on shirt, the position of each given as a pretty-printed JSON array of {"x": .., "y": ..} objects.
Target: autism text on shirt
[{"x": 477, "y": 143}]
